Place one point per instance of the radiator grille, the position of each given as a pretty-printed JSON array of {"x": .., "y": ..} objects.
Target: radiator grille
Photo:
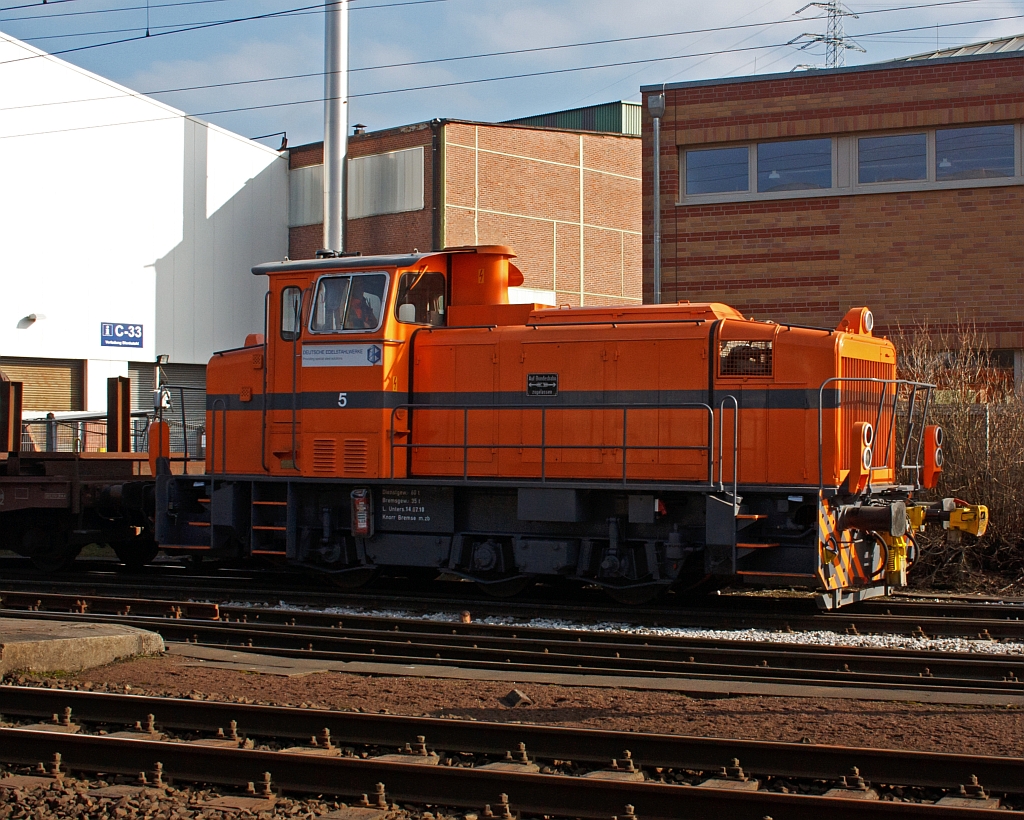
[
  {"x": 355, "y": 455},
  {"x": 324, "y": 456},
  {"x": 746, "y": 358},
  {"x": 860, "y": 402}
]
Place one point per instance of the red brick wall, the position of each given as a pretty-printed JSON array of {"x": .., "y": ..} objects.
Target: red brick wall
[
  {"x": 513, "y": 186},
  {"x": 521, "y": 186},
  {"x": 939, "y": 256},
  {"x": 387, "y": 233}
]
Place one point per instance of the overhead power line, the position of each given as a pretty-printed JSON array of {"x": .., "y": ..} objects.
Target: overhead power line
[
  {"x": 319, "y": 100},
  {"x": 175, "y": 4},
  {"x": 510, "y": 52}
]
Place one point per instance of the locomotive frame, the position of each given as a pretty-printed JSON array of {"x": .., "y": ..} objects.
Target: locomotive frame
[{"x": 504, "y": 443}]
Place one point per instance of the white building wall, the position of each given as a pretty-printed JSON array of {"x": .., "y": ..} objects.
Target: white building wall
[{"x": 115, "y": 208}]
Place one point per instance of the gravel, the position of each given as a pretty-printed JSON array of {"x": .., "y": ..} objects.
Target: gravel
[{"x": 815, "y": 638}]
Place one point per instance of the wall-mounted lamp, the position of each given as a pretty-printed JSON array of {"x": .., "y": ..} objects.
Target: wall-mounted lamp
[
  {"x": 774, "y": 175},
  {"x": 28, "y": 321},
  {"x": 945, "y": 163}
]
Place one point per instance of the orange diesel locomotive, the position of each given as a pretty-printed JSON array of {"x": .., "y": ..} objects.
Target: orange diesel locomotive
[{"x": 399, "y": 412}]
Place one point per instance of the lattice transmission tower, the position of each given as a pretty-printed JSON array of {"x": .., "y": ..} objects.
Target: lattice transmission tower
[{"x": 834, "y": 39}]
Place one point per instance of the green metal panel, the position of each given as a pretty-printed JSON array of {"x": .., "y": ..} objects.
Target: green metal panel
[{"x": 610, "y": 118}]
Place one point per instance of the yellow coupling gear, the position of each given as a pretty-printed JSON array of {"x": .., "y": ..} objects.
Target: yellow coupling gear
[
  {"x": 972, "y": 518},
  {"x": 915, "y": 518},
  {"x": 896, "y": 561}
]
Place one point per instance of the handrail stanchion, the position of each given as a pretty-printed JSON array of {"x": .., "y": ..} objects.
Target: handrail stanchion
[
  {"x": 218, "y": 404},
  {"x": 625, "y": 441},
  {"x": 543, "y": 443},
  {"x": 465, "y": 442}
]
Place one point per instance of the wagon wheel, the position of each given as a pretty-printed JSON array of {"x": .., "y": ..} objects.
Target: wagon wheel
[
  {"x": 48, "y": 549},
  {"x": 508, "y": 588},
  {"x": 354, "y": 579},
  {"x": 636, "y": 595},
  {"x": 138, "y": 552}
]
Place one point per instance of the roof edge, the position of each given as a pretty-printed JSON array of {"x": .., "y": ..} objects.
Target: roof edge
[{"x": 888, "y": 65}]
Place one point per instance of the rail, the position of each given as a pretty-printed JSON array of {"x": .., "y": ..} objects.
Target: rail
[
  {"x": 545, "y": 445},
  {"x": 890, "y": 389}
]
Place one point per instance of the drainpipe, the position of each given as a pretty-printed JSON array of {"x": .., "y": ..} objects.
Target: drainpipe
[{"x": 656, "y": 106}]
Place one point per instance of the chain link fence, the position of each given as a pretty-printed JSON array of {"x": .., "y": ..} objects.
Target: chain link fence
[{"x": 87, "y": 433}]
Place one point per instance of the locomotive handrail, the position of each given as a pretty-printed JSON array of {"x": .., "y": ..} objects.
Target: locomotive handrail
[
  {"x": 914, "y": 388},
  {"x": 735, "y": 447},
  {"x": 544, "y": 445},
  {"x": 224, "y": 436}
]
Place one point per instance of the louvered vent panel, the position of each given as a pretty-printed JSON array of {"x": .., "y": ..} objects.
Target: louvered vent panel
[
  {"x": 860, "y": 401},
  {"x": 325, "y": 458},
  {"x": 355, "y": 455}
]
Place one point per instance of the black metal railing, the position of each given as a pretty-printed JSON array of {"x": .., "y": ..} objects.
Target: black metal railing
[
  {"x": 544, "y": 446},
  {"x": 897, "y": 400}
]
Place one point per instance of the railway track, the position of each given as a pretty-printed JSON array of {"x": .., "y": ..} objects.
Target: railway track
[
  {"x": 543, "y": 770},
  {"x": 898, "y": 616},
  {"x": 479, "y": 646}
]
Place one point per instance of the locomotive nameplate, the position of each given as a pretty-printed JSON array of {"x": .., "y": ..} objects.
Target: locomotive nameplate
[
  {"x": 341, "y": 355},
  {"x": 416, "y": 509},
  {"x": 542, "y": 384}
]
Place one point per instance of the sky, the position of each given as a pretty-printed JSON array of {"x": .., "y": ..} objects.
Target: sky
[{"x": 397, "y": 45}]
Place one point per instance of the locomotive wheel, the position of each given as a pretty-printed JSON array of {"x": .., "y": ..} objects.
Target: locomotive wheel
[
  {"x": 136, "y": 553},
  {"x": 354, "y": 579},
  {"x": 506, "y": 589},
  {"x": 635, "y": 596},
  {"x": 48, "y": 549}
]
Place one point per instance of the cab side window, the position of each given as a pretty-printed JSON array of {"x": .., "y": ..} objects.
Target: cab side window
[
  {"x": 421, "y": 299},
  {"x": 329, "y": 307},
  {"x": 351, "y": 302},
  {"x": 366, "y": 302},
  {"x": 291, "y": 313}
]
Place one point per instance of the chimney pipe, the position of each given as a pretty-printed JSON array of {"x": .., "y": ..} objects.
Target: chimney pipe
[{"x": 335, "y": 121}]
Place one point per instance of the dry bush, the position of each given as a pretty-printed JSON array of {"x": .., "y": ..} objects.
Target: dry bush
[{"x": 983, "y": 422}]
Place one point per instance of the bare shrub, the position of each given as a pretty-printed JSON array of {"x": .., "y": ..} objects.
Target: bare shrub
[{"x": 983, "y": 421}]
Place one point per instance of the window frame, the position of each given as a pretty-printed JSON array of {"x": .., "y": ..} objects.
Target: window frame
[
  {"x": 398, "y": 290},
  {"x": 350, "y": 275},
  {"x": 296, "y": 333},
  {"x": 845, "y": 168},
  {"x": 723, "y": 147}
]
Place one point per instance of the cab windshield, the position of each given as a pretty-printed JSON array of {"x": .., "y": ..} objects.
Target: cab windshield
[{"x": 350, "y": 302}]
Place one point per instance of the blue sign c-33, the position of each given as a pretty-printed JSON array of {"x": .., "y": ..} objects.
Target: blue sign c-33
[{"x": 120, "y": 334}]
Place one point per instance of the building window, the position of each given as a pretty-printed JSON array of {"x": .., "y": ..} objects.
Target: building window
[
  {"x": 794, "y": 166},
  {"x": 974, "y": 153},
  {"x": 898, "y": 158},
  {"x": 717, "y": 170}
]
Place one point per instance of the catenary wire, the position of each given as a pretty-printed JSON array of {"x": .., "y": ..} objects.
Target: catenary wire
[
  {"x": 320, "y": 100},
  {"x": 175, "y": 4},
  {"x": 509, "y": 52}
]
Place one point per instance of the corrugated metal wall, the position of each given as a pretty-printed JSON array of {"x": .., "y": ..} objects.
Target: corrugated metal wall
[
  {"x": 306, "y": 196},
  {"x": 385, "y": 183},
  {"x": 53, "y": 385},
  {"x": 143, "y": 376},
  {"x": 612, "y": 118}
]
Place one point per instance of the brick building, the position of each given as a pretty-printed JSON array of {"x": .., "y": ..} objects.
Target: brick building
[
  {"x": 897, "y": 185},
  {"x": 568, "y": 201}
]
